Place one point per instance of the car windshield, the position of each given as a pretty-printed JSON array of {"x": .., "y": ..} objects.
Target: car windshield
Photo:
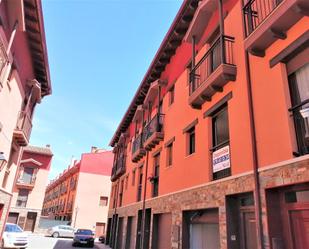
[
  {"x": 84, "y": 232},
  {"x": 12, "y": 228}
]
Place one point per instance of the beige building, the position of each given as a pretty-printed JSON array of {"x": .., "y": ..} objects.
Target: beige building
[
  {"x": 29, "y": 187},
  {"x": 80, "y": 195},
  {"x": 24, "y": 81}
]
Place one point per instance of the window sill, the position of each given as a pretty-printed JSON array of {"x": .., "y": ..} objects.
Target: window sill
[{"x": 190, "y": 155}]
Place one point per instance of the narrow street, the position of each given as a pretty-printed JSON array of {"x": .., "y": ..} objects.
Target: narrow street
[{"x": 43, "y": 242}]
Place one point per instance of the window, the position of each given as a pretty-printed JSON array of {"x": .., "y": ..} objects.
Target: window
[
  {"x": 127, "y": 180},
  {"x": 121, "y": 193},
  {"x": 140, "y": 185},
  {"x": 27, "y": 176},
  {"x": 299, "y": 89},
  {"x": 103, "y": 201},
  {"x": 172, "y": 95},
  {"x": 133, "y": 177},
  {"x": 191, "y": 141},
  {"x": 220, "y": 140},
  {"x": 169, "y": 154},
  {"x": 22, "y": 198},
  {"x": 155, "y": 177}
]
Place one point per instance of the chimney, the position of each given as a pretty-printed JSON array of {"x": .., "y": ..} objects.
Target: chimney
[{"x": 94, "y": 149}]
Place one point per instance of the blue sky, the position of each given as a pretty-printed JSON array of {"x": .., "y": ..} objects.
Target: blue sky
[{"x": 99, "y": 51}]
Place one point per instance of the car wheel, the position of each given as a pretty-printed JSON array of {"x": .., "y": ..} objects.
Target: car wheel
[
  {"x": 55, "y": 235},
  {"x": 74, "y": 244},
  {"x": 2, "y": 244}
]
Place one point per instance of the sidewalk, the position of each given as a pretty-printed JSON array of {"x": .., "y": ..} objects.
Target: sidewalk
[{"x": 101, "y": 246}]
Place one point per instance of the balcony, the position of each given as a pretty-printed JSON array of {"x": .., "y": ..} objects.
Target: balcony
[
  {"x": 138, "y": 150},
  {"x": 212, "y": 72},
  {"x": 69, "y": 207},
  {"x": 267, "y": 21},
  {"x": 25, "y": 183},
  {"x": 119, "y": 168},
  {"x": 23, "y": 129},
  {"x": 153, "y": 132}
]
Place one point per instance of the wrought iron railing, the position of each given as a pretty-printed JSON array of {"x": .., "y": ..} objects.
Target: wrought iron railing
[
  {"x": 119, "y": 166},
  {"x": 137, "y": 143},
  {"x": 30, "y": 181},
  {"x": 256, "y": 11},
  {"x": 300, "y": 115},
  {"x": 154, "y": 125},
  {"x": 24, "y": 123},
  {"x": 221, "y": 52}
]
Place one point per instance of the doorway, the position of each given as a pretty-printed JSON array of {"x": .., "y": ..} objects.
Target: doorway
[
  {"x": 99, "y": 229},
  {"x": 241, "y": 223},
  {"x": 119, "y": 233},
  {"x": 289, "y": 227},
  {"x": 30, "y": 222},
  {"x": 201, "y": 229}
]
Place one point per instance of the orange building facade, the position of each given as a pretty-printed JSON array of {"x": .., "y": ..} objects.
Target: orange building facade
[
  {"x": 80, "y": 195},
  {"x": 213, "y": 149}
]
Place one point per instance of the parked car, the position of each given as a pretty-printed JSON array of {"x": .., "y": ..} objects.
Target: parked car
[
  {"x": 102, "y": 238},
  {"x": 14, "y": 237},
  {"x": 83, "y": 237},
  {"x": 61, "y": 231}
]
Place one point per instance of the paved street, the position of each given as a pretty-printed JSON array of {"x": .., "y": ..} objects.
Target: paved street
[{"x": 42, "y": 242}]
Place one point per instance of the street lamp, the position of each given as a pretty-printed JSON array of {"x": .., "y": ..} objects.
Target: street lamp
[{"x": 3, "y": 160}]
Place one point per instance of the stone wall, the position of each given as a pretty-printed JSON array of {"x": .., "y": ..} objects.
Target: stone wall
[{"x": 213, "y": 195}]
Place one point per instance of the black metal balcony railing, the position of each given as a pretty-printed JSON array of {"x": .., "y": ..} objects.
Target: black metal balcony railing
[
  {"x": 3, "y": 58},
  {"x": 221, "y": 52},
  {"x": 154, "y": 125},
  {"x": 119, "y": 167},
  {"x": 26, "y": 181},
  {"x": 301, "y": 127},
  {"x": 24, "y": 124},
  {"x": 137, "y": 143},
  {"x": 256, "y": 11}
]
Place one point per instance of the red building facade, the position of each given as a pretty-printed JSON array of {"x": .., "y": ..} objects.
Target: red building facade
[{"x": 215, "y": 140}]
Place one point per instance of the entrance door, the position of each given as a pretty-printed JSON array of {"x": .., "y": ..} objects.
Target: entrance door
[
  {"x": 119, "y": 233},
  {"x": 299, "y": 224},
  {"x": 99, "y": 229},
  {"x": 288, "y": 210},
  {"x": 295, "y": 215},
  {"x": 204, "y": 236},
  {"x": 249, "y": 229},
  {"x": 30, "y": 222}
]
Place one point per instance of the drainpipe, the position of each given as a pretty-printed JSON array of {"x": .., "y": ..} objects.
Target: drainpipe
[
  {"x": 144, "y": 202},
  {"x": 257, "y": 196},
  {"x": 221, "y": 20},
  {"x": 192, "y": 74},
  {"x": 112, "y": 236}
]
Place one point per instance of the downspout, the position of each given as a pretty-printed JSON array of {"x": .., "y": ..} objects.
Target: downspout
[
  {"x": 112, "y": 236},
  {"x": 257, "y": 196},
  {"x": 144, "y": 202},
  {"x": 145, "y": 191}
]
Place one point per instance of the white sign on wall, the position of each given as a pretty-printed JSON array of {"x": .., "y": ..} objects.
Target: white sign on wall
[{"x": 221, "y": 159}]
